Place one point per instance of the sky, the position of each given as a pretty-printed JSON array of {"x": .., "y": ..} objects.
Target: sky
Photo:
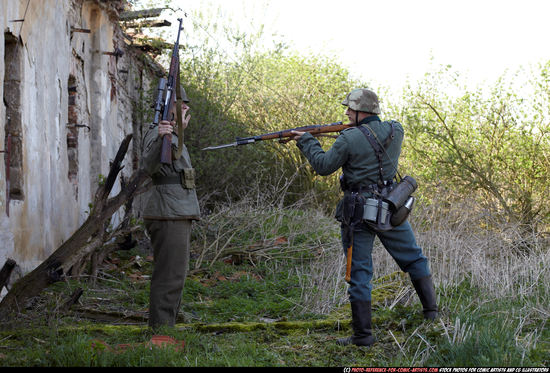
[{"x": 391, "y": 41}]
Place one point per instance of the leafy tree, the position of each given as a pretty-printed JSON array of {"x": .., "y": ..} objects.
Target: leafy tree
[
  {"x": 240, "y": 88},
  {"x": 492, "y": 146}
]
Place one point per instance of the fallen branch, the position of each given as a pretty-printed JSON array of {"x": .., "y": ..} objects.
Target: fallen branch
[
  {"x": 229, "y": 327},
  {"x": 82, "y": 243},
  {"x": 75, "y": 296},
  {"x": 6, "y": 272},
  {"x": 234, "y": 327},
  {"x": 109, "y": 316},
  {"x": 118, "y": 316}
]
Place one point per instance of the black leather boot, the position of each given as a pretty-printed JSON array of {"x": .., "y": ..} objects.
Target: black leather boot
[
  {"x": 426, "y": 292},
  {"x": 361, "y": 324}
]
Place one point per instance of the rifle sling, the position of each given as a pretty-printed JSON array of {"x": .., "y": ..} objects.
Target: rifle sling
[
  {"x": 179, "y": 119},
  {"x": 377, "y": 147}
]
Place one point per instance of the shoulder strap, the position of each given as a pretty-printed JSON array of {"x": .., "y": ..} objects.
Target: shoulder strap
[{"x": 377, "y": 147}]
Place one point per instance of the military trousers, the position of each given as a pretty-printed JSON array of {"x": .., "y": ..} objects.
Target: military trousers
[
  {"x": 170, "y": 240},
  {"x": 400, "y": 243}
]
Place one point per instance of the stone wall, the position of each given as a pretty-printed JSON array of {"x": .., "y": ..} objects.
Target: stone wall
[{"x": 73, "y": 88}]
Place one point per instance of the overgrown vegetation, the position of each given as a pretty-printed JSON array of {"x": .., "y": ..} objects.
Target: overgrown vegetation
[
  {"x": 239, "y": 88},
  {"x": 266, "y": 283},
  {"x": 490, "y": 144},
  {"x": 274, "y": 295}
]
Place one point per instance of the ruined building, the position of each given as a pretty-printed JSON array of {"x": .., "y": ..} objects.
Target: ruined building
[{"x": 73, "y": 85}]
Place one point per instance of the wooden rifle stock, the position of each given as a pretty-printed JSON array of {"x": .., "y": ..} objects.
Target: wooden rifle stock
[
  {"x": 166, "y": 150},
  {"x": 315, "y": 130}
]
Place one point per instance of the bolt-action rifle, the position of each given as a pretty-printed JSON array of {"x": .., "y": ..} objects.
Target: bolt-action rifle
[
  {"x": 165, "y": 99},
  {"x": 285, "y": 135}
]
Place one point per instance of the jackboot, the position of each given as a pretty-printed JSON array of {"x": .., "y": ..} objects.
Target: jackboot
[
  {"x": 426, "y": 292},
  {"x": 361, "y": 324}
]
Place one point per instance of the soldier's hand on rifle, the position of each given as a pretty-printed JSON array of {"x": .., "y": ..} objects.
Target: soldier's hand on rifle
[
  {"x": 297, "y": 135},
  {"x": 166, "y": 127}
]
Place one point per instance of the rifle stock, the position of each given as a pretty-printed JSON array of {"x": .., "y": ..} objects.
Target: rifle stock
[
  {"x": 315, "y": 130},
  {"x": 166, "y": 150}
]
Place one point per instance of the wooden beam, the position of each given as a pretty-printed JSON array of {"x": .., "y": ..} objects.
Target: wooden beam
[
  {"x": 148, "y": 44},
  {"x": 146, "y": 23},
  {"x": 143, "y": 13}
]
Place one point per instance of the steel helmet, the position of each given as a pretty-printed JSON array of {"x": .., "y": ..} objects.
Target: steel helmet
[
  {"x": 362, "y": 99},
  {"x": 183, "y": 94},
  {"x": 180, "y": 93}
]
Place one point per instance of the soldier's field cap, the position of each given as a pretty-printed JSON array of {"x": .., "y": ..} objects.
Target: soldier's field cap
[{"x": 362, "y": 99}]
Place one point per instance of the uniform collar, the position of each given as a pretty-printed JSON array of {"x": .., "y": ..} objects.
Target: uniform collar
[{"x": 372, "y": 118}]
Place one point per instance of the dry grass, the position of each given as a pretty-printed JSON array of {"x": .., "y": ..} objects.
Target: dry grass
[
  {"x": 456, "y": 243},
  {"x": 501, "y": 264},
  {"x": 497, "y": 261}
]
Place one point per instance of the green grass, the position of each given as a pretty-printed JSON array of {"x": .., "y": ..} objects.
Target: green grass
[
  {"x": 403, "y": 337},
  {"x": 253, "y": 314},
  {"x": 246, "y": 294},
  {"x": 226, "y": 295}
]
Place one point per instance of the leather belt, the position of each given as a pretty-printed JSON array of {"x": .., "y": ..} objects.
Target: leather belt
[
  {"x": 372, "y": 188},
  {"x": 163, "y": 180},
  {"x": 362, "y": 189}
]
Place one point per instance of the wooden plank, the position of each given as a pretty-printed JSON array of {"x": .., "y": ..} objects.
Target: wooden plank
[
  {"x": 143, "y": 13},
  {"x": 146, "y": 23}
]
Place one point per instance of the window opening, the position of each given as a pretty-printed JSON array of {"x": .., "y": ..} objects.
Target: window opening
[{"x": 12, "y": 100}]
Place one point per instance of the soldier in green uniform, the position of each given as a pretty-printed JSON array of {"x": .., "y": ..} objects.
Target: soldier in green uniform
[
  {"x": 171, "y": 207},
  {"x": 362, "y": 173}
]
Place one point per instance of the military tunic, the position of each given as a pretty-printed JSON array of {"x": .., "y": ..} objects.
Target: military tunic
[
  {"x": 171, "y": 207},
  {"x": 173, "y": 201},
  {"x": 354, "y": 154}
]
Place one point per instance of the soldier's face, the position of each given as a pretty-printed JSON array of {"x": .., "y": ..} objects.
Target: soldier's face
[
  {"x": 355, "y": 116},
  {"x": 351, "y": 115},
  {"x": 184, "y": 109}
]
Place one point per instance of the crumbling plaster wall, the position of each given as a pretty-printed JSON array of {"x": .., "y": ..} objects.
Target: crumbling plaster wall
[{"x": 57, "y": 50}]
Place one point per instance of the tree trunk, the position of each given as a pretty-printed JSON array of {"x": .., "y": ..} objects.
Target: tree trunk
[{"x": 84, "y": 241}]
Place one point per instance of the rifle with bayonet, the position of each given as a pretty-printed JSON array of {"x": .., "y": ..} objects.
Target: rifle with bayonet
[
  {"x": 285, "y": 135},
  {"x": 167, "y": 88}
]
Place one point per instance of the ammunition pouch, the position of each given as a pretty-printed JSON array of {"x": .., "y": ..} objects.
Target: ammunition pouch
[{"x": 188, "y": 178}]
